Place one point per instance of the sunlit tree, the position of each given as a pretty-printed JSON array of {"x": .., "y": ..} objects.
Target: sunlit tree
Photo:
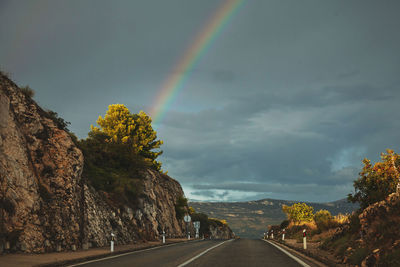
[
  {"x": 134, "y": 130},
  {"x": 299, "y": 212},
  {"x": 376, "y": 181}
]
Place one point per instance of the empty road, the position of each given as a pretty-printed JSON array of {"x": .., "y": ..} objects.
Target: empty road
[{"x": 241, "y": 252}]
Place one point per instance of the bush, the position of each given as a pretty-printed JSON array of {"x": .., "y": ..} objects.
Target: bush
[
  {"x": 324, "y": 220},
  {"x": 376, "y": 181},
  {"x": 204, "y": 222},
  {"x": 60, "y": 122},
  {"x": 284, "y": 224},
  {"x": 181, "y": 206},
  {"x": 27, "y": 91},
  {"x": 112, "y": 167},
  {"x": 299, "y": 212}
]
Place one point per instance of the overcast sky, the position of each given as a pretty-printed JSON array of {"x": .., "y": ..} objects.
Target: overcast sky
[{"x": 284, "y": 104}]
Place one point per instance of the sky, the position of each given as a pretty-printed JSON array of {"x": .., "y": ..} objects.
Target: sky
[{"x": 286, "y": 101}]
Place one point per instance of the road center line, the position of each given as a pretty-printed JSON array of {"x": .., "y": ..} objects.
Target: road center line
[
  {"x": 202, "y": 253},
  {"x": 290, "y": 255}
]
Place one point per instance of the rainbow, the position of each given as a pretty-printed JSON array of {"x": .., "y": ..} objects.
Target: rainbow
[{"x": 181, "y": 72}]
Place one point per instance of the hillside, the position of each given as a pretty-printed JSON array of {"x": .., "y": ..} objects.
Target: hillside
[{"x": 250, "y": 219}]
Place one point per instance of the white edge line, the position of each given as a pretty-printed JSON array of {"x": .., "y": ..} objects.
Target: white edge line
[
  {"x": 202, "y": 253},
  {"x": 124, "y": 254},
  {"x": 290, "y": 255}
]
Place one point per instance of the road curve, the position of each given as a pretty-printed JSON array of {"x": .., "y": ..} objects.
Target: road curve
[{"x": 241, "y": 252}]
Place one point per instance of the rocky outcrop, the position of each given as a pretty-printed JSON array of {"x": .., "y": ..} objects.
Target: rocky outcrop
[
  {"x": 153, "y": 214},
  {"x": 40, "y": 170},
  {"x": 45, "y": 205},
  {"x": 221, "y": 232},
  {"x": 380, "y": 230}
]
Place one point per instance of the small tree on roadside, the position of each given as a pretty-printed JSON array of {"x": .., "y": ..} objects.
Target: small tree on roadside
[
  {"x": 376, "y": 181},
  {"x": 323, "y": 219},
  {"x": 299, "y": 212}
]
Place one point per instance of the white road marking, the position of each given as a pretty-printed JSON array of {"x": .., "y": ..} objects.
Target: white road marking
[
  {"x": 202, "y": 253},
  {"x": 124, "y": 254},
  {"x": 290, "y": 255}
]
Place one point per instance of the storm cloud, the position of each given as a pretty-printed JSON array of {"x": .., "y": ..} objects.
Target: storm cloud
[{"x": 286, "y": 102}]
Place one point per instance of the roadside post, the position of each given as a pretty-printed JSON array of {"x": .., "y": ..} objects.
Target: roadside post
[
  {"x": 283, "y": 234},
  {"x": 264, "y": 236},
  {"x": 187, "y": 219},
  {"x": 163, "y": 236},
  {"x": 304, "y": 239},
  {"x": 272, "y": 234},
  {"x": 112, "y": 242},
  {"x": 196, "y": 225}
]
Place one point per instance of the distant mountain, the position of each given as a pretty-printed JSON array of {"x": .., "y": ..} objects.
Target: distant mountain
[{"x": 250, "y": 219}]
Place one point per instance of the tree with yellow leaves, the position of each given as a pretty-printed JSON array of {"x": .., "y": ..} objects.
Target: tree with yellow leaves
[
  {"x": 135, "y": 130},
  {"x": 376, "y": 181}
]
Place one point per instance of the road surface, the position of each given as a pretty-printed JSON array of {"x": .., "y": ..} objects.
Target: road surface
[{"x": 241, "y": 252}]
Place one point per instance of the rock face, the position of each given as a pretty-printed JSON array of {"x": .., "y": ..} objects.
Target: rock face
[
  {"x": 380, "y": 227},
  {"x": 221, "y": 232},
  {"x": 44, "y": 203},
  {"x": 40, "y": 170}
]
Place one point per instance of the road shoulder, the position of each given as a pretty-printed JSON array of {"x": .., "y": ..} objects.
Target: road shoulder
[
  {"x": 69, "y": 257},
  {"x": 312, "y": 261}
]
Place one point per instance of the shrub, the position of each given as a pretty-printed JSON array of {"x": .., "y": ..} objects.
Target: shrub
[
  {"x": 284, "y": 224},
  {"x": 376, "y": 181},
  {"x": 27, "y": 91},
  {"x": 60, "y": 122},
  {"x": 112, "y": 167},
  {"x": 299, "y": 212},
  {"x": 204, "y": 222},
  {"x": 324, "y": 220},
  {"x": 181, "y": 207}
]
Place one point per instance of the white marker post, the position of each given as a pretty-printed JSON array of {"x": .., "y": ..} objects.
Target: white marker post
[
  {"x": 196, "y": 225},
  {"x": 272, "y": 234},
  {"x": 304, "y": 239},
  {"x": 163, "y": 237},
  {"x": 187, "y": 219},
  {"x": 112, "y": 242},
  {"x": 283, "y": 234}
]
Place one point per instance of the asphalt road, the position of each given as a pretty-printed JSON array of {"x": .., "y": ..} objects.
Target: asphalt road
[{"x": 241, "y": 252}]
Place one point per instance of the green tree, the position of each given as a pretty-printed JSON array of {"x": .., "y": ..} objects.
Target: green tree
[
  {"x": 376, "y": 181},
  {"x": 181, "y": 207},
  {"x": 299, "y": 212},
  {"x": 112, "y": 167},
  {"x": 323, "y": 219},
  {"x": 134, "y": 130}
]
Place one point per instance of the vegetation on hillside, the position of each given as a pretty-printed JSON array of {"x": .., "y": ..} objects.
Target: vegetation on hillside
[
  {"x": 376, "y": 181},
  {"x": 206, "y": 222},
  {"x": 299, "y": 212},
  {"x": 118, "y": 151},
  {"x": 133, "y": 130},
  {"x": 368, "y": 235}
]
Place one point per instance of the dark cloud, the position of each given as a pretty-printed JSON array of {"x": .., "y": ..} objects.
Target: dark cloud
[{"x": 284, "y": 103}]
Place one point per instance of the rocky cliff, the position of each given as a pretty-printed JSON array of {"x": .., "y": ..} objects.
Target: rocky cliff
[
  {"x": 380, "y": 232},
  {"x": 221, "y": 232},
  {"x": 45, "y": 205}
]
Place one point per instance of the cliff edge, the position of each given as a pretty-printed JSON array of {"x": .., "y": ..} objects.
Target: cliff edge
[{"x": 45, "y": 205}]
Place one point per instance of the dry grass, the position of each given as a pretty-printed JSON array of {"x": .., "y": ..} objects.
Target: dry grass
[{"x": 341, "y": 218}]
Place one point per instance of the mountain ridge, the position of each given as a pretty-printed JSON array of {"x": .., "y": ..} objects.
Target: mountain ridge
[{"x": 251, "y": 218}]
